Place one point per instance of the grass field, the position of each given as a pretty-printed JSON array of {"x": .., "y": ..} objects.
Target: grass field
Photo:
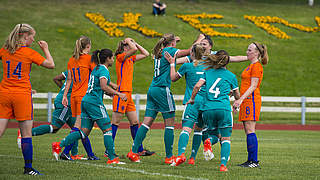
[{"x": 283, "y": 155}]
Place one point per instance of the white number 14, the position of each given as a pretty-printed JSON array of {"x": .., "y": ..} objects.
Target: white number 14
[{"x": 216, "y": 91}]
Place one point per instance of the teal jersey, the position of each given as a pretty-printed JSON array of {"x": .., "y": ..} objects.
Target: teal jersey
[
  {"x": 94, "y": 93},
  {"x": 161, "y": 76},
  {"x": 219, "y": 82},
  {"x": 59, "y": 97},
  {"x": 192, "y": 74}
]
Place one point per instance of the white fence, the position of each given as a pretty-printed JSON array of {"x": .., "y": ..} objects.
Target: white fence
[{"x": 137, "y": 97}]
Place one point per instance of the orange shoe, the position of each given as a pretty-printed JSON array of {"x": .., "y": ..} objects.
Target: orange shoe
[
  {"x": 207, "y": 150},
  {"x": 191, "y": 161},
  {"x": 170, "y": 160},
  {"x": 56, "y": 149},
  {"x": 78, "y": 157},
  {"x": 223, "y": 168},
  {"x": 179, "y": 160},
  {"x": 19, "y": 139},
  {"x": 115, "y": 161},
  {"x": 134, "y": 157}
]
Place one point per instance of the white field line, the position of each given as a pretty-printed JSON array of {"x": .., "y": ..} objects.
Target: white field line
[{"x": 115, "y": 167}]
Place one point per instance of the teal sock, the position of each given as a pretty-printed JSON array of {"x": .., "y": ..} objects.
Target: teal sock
[
  {"x": 197, "y": 137},
  {"x": 214, "y": 139},
  {"x": 40, "y": 130},
  {"x": 75, "y": 136},
  {"x": 168, "y": 140},
  {"x": 205, "y": 135},
  {"x": 74, "y": 150},
  {"x": 183, "y": 142},
  {"x": 225, "y": 151},
  {"x": 109, "y": 144},
  {"x": 141, "y": 134}
]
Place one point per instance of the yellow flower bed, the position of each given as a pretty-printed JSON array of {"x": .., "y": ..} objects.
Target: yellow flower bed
[
  {"x": 130, "y": 20},
  {"x": 262, "y": 22},
  {"x": 193, "y": 20}
]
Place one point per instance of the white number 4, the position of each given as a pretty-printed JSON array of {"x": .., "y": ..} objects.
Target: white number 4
[{"x": 216, "y": 92}]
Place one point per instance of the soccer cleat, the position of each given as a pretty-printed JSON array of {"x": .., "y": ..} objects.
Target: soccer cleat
[
  {"x": 207, "y": 150},
  {"x": 170, "y": 160},
  {"x": 92, "y": 158},
  {"x": 66, "y": 157},
  {"x": 134, "y": 157},
  {"x": 245, "y": 164},
  {"x": 115, "y": 161},
  {"x": 223, "y": 168},
  {"x": 19, "y": 139},
  {"x": 31, "y": 171},
  {"x": 191, "y": 161},
  {"x": 179, "y": 160},
  {"x": 78, "y": 157},
  {"x": 56, "y": 149},
  {"x": 146, "y": 152}
]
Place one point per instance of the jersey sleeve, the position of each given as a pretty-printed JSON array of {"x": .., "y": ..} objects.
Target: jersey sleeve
[
  {"x": 134, "y": 57},
  {"x": 104, "y": 73},
  {"x": 92, "y": 65},
  {"x": 257, "y": 71},
  {"x": 36, "y": 57},
  {"x": 120, "y": 57},
  {"x": 182, "y": 70},
  {"x": 234, "y": 83}
]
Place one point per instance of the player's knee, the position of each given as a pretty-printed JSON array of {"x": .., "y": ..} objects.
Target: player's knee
[{"x": 187, "y": 129}]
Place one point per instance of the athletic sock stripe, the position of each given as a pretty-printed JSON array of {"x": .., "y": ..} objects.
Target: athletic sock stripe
[
  {"x": 185, "y": 132},
  {"x": 51, "y": 128},
  {"x": 197, "y": 133},
  {"x": 145, "y": 126},
  {"x": 170, "y": 127},
  {"x": 226, "y": 141}
]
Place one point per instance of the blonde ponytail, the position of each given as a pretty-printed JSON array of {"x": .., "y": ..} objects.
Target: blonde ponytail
[
  {"x": 198, "y": 52},
  {"x": 15, "y": 39},
  {"x": 81, "y": 44},
  {"x": 263, "y": 53},
  {"x": 216, "y": 61},
  {"x": 162, "y": 43}
]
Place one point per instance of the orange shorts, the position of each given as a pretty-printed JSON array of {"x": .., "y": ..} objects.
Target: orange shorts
[
  {"x": 76, "y": 105},
  {"x": 123, "y": 106},
  {"x": 16, "y": 106},
  {"x": 249, "y": 111}
]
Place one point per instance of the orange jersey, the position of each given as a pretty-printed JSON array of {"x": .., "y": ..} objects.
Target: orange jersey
[
  {"x": 80, "y": 71},
  {"x": 124, "y": 69},
  {"x": 16, "y": 69},
  {"x": 253, "y": 70}
]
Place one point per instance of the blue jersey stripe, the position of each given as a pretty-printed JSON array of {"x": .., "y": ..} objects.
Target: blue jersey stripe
[
  {"x": 254, "y": 107},
  {"x": 121, "y": 74},
  {"x": 118, "y": 104}
]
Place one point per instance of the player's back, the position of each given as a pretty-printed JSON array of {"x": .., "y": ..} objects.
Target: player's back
[
  {"x": 17, "y": 68},
  {"x": 80, "y": 71}
]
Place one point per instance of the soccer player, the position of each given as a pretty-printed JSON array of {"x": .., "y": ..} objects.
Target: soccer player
[
  {"x": 192, "y": 72},
  {"x": 15, "y": 87},
  {"x": 125, "y": 58},
  {"x": 79, "y": 69},
  {"x": 60, "y": 116},
  {"x": 250, "y": 100},
  {"x": 159, "y": 97},
  {"x": 216, "y": 109},
  {"x": 92, "y": 107}
]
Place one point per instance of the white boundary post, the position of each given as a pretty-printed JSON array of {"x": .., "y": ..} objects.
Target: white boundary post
[
  {"x": 310, "y": 2},
  {"x": 303, "y": 110},
  {"x": 49, "y": 106},
  {"x": 138, "y": 105}
]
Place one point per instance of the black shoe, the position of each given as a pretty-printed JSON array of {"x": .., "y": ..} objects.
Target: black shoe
[
  {"x": 93, "y": 158},
  {"x": 66, "y": 157},
  {"x": 254, "y": 164},
  {"x": 245, "y": 164},
  {"x": 31, "y": 171},
  {"x": 146, "y": 152}
]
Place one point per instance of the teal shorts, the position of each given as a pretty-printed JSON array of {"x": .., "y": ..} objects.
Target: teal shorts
[
  {"x": 62, "y": 115},
  {"x": 214, "y": 119},
  {"x": 160, "y": 99},
  {"x": 91, "y": 113},
  {"x": 192, "y": 111}
]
